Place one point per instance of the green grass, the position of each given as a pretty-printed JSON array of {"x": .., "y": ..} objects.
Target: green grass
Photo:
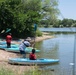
[
  {"x": 6, "y": 72},
  {"x": 10, "y": 72},
  {"x": 33, "y": 71}
]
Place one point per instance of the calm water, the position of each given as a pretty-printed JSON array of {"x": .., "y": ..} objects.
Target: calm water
[
  {"x": 62, "y": 48},
  {"x": 70, "y": 29}
]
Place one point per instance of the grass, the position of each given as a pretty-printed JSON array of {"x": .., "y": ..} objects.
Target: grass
[
  {"x": 33, "y": 71},
  {"x": 6, "y": 72}
]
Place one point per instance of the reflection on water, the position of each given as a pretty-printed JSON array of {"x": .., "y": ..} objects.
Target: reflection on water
[
  {"x": 48, "y": 48},
  {"x": 61, "y": 48}
]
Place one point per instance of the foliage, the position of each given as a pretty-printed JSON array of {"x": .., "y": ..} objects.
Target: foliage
[
  {"x": 20, "y": 18},
  {"x": 67, "y": 23},
  {"x": 61, "y": 23},
  {"x": 50, "y": 11},
  {"x": 21, "y": 15},
  {"x": 38, "y": 33},
  {"x": 9, "y": 18}
]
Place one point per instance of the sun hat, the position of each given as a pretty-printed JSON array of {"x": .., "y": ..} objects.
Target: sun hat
[{"x": 28, "y": 39}]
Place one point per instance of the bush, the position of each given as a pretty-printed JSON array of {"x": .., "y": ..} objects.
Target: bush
[{"x": 38, "y": 33}]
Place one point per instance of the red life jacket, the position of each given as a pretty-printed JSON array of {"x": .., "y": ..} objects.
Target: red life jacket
[
  {"x": 32, "y": 56},
  {"x": 8, "y": 38}
]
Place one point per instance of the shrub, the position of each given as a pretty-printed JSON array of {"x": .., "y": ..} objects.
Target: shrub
[{"x": 38, "y": 33}]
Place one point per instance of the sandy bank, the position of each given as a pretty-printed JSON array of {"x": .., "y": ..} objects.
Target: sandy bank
[
  {"x": 4, "y": 56},
  {"x": 43, "y": 38}
]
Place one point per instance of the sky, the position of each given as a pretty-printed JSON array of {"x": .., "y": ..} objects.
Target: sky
[{"x": 67, "y": 9}]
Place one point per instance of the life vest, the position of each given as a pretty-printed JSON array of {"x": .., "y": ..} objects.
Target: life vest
[
  {"x": 32, "y": 56},
  {"x": 8, "y": 38}
]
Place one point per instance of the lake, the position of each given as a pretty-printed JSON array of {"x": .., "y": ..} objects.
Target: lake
[
  {"x": 61, "y": 47},
  {"x": 70, "y": 29}
]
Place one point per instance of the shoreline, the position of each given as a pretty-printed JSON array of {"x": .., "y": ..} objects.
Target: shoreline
[
  {"x": 38, "y": 39},
  {"x": 43, "y": 37},
  {"x": 4, "y": 56},
  {"x": 10, "y": 54}
]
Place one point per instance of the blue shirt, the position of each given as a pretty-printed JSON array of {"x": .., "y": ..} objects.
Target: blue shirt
[{"x": 23, "y": 45}]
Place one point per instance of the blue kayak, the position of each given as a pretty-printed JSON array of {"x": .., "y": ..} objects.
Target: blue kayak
[
  {"x": 28, "y": 49},
  {"x": 4, "y": 43},
  {"x": 12, "y": 46},
  {"x": 28, "y": 61}
]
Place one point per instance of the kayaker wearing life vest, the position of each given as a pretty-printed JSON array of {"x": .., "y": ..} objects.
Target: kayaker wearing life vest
[
  {"x": 32, "y": 55},
  {"x": 8, "y": 40}
]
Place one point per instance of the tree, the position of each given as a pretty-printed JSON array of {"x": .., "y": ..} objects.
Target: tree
[
  {"x": 31, "y": 14},
  {"x": 9, "y": 14},
  {"x": 50, "y": 10},
  {"x": 19, "y": 16},
  {"x": 67, "y": 22}
]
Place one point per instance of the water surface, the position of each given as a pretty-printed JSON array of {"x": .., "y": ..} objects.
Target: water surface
[{"x": 61, "y": 47}]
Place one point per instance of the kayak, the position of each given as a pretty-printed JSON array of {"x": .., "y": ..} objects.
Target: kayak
[
  {"x": 2, "y": 42},
  {"x": 5, "y": 46},
  {"x": 27, "y": 50},
  {"x": 26, "y": 61}
]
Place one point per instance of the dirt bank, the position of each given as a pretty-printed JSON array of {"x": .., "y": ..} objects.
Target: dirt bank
[
  {"x": 43, "y": 38},
  {"x": 4, "y": 56}
]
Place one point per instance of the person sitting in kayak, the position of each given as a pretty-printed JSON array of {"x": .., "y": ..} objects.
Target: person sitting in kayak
[
  {"x": 23, "y": 45},
  {"x": 32, "y": 55}
]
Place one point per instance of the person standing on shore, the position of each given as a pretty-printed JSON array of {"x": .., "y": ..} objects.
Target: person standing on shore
[
  {"x": 8, "y": 40},
  {"x": 23, "y": 45}
]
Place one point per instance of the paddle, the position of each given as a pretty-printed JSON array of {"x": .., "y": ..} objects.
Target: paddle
[
  {"x": 3, "y": 31},
  {"x": 35, "y": 28},
  {"x": 8, "y": 30}
]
